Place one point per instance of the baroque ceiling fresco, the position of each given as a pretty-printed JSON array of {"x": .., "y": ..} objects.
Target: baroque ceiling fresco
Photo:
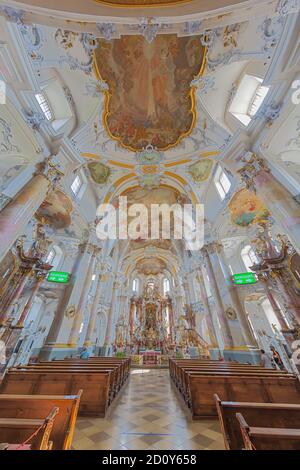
[
  {"x": 141, "y": 3},
  {"x": 246, "y": 208},
  {"x": 149, "y": 100},
  {"x": 56, "y": 210}
]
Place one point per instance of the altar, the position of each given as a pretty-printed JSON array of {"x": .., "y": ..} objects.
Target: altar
[{"x": 151, "y": 358}]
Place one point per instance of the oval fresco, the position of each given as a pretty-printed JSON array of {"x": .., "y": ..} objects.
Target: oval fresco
[
  {"x": 201, "y": 170},
  {"x": 99, "y": 172},
  {"x": 246, "y": 208},
  {"x": 56, "y": 210}
]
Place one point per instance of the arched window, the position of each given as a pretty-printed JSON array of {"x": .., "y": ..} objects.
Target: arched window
[
  {"x": 248, "y": 98},
  {"x": 222, "y": 182},
  {"x": 249, "y": 257},
  {"x": 135, "y": 285},
  {"x": 45, "y": 106},
  {"x": 166, "y": 286},
  {"x": 54, "y": 256},
  {"x": 76, "y": 185}
]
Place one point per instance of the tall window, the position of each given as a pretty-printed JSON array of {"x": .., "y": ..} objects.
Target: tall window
[
  {"x": 248, "y": 98},
  {"x": 166, "y": 286},
  {"x": 76, "y": 185},
  {"x": 44, "y": 105},
  {"x": 222, "y": 182},
  {"x": 54, "y": 256},
  {"x": 135, "y": 285},
  {"x": 249, "y": 257}
]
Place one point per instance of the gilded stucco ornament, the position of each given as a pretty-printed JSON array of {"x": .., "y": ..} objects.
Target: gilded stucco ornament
[
  {"x": 70, "y": 312},
  {"x": 34, "y": 119},
  {"x": 6, "y": 144},
  {"x": 231, "y": 313},
  {"x": 253, "y": 166},
  {"x": 51, "y": 170},
  {"x": 107, "y": 30}
]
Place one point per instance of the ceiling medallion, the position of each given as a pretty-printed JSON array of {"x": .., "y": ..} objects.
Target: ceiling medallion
[{"x": 150, "y": 99}]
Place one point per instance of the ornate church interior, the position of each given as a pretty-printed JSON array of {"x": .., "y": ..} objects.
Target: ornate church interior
[{"x": 141, "y": 342}]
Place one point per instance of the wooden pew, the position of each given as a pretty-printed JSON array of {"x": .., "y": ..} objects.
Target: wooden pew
[
  {"x": 95, "y": 386},
  {"x": 37, "y": 406},
  {"x": 180, "y": 378},
  {"x": 123, "y": 365},
  {"x": 259, "y": 438},
  {"x": 35, "y": 432},
  {"x": 239, "y": 387},
  {"x": 275, "y": 415},
  {"x": 117, "y": 376},
  {"x": 114, "y": 378},
  {"x": 181, "y": 373},
  {"x": 199, "y": 381}
]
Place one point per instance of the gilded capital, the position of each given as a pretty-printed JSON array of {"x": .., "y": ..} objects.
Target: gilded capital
[
  {"x": 253, "y": 166},
  {"x": 50, "y": 170}
]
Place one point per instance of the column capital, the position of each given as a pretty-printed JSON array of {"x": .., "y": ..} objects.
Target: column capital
[
  {"x": 254, "y": 164},
  {"x": 215, "y": 246},
  {"x": 50, "y": 170}
]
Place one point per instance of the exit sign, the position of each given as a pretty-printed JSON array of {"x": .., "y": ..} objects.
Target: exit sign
[
  {"x": 244, "y": 278},
  {"x": 58, "y": 276}
]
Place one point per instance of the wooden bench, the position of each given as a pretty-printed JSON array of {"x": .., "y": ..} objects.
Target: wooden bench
[
  {"x": 35, "y": 432},
  {"x": 275, "y": 415},
  {"x": 239, "y": 387},
  {"x": 114, "y": 384},
  {"x": 37, "y": 406},
  {"x": 237, "y": 382},
  {"x": 95, "y": 386},
  {"x": 119, "y": 370},
  {"x": 266, "y": 438}
]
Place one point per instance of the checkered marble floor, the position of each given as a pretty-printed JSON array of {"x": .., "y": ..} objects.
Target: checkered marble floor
[{"x": 147, "y": 415}]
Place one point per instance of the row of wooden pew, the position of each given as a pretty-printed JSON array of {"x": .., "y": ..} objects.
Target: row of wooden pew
[
  {"x": 258, "y": 408},
  {"x": 51, "y": 394}
]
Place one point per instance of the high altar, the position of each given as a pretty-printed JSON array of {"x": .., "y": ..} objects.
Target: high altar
[
  {"x": 152, "y": 334},
  {"x": 151, "y": 324}
]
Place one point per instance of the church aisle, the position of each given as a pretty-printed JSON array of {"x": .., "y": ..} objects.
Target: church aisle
[{"x": 148, "y": 415}]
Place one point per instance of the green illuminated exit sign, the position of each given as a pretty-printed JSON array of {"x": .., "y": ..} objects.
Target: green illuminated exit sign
[
  {"x": 58, "y": 276},
  {"x": 244, "y": 278}
]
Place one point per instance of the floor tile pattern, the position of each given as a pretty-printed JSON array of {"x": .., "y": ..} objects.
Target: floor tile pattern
[{"x": 148, "y": 414}]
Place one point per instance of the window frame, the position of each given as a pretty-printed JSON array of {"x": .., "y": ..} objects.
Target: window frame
[
  {"x": 45, "y": 106},
  {"x": 247, "y": 252},
  {"x": 221, "y": 187},
  {"x": 77, "y": 187},
  {"x": 253, "y": 103}
]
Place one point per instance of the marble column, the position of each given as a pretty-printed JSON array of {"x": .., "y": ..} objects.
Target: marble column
[
  {"x": 275, "y": 307},
  {"x": 57, "y": 342},
  {"x": 93, "y": 315},
  {"x": 22, "y": 318},
  {"x": 211, "y": 263},
  {"x": 14, "y": 296},
  {"x": 258, "y": 177},
  {"x": 73, "y": 338},
  {"x": 207, "y": 311},
  {"x": 18, "y": 212},
  {"x": 110, "y": 320},
  {"x": 234, "y": 299},
  {"x": 291, "y": 300}
]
